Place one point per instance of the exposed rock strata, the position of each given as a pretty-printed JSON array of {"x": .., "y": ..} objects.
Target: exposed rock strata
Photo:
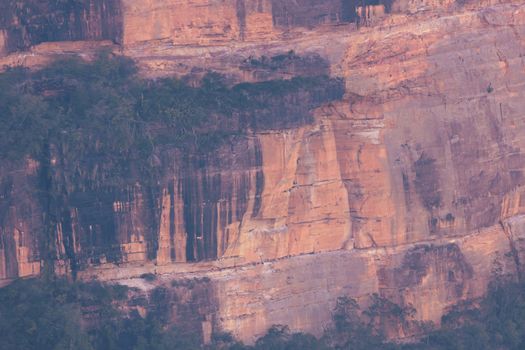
[
  {"x": 27, "y": 23},
  {"x": 301, "y": 291},
  {"x": 411, "y": 186}
]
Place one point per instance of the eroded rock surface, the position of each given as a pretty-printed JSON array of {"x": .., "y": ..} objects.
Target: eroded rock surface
[{"x": 409, "y": 186}]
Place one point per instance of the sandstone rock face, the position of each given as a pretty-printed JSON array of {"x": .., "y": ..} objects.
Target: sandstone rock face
[
  {"x": 410, "y": 185},
  {"x": 3, "y": 42},
  {"x": 301, "y": 291},
  {"x": 439, "y": 171},
  {"x": 27, "y": 23},
  {"x": 176, "y": 22}
]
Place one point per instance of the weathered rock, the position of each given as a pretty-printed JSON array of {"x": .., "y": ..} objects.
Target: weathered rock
[
  {"x": 410, "y": 186},
  {"x": 27, "y": 23}
]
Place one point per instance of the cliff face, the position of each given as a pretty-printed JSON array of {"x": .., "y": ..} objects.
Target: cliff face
[
  {"x": 213, "y": 22},
  {"x": 81, "y": 209},
  {"x": 410, "y": 185},
  {"x": 24, "y": 24},
  {"x": 27, "y": 23}
]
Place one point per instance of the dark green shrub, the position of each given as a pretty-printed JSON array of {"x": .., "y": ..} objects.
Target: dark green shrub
[{"x": 148, "y": 277}]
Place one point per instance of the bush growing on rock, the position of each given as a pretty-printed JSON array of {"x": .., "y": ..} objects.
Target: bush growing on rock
[{"x": 57, "y": 314}]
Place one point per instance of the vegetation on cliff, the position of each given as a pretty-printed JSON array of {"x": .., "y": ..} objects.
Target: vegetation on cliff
[
  {"x": 97, "y": 134},
  {"x": 497, "y": 321},
  {"x": 103, "y": 110},
  {"x": 59, "y": 315},
  {"x": 56, "y": 314}
]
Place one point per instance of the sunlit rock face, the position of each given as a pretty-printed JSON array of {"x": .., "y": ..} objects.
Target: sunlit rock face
[
  {"x": 215, "y": 22},
  {"x": 408, "y": 184},
  {"x": 24, "y": 24}
]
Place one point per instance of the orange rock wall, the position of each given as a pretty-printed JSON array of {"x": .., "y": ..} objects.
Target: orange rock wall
[
  {"x": 196, "y": 22},
  {"x": 420, "y": 168},
  {"x": 411, "y": 186}
]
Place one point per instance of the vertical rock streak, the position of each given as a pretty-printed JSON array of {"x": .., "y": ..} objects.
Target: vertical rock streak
[{"x": 32, "y": 22}]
